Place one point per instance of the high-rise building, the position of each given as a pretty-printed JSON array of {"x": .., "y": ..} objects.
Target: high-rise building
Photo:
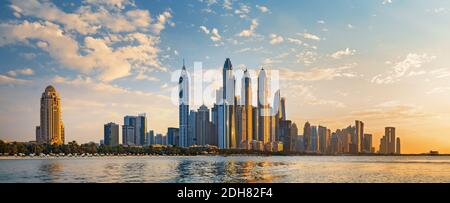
[
  {"x": 397, "y": 148},
  {"x": 389, "y": 132},
  {"x": 111, "y": 134},
  {"x": 264, "y": 108},
  {"x": 139, "y": 123},
  {"x": 322, "y": 139},
  {"x": 228, "y": 125},
  {"x": 246, "y": 97},
  {"x": 314, "y": 139},
  {"x": 367, "y": 143},
  {"x": 151, "y": 137},
  {"x": 128, "y": 135},
  {"x": 173, "y": 136},
  {"x": 307, "y": 137},
  {"x": 359, "y": 135},
  {"x": 51, "y": 129},
  {"x": 192, "y": 130},
  {"x": 204, "y": 125},
  {"x": 183, "y": 108}
]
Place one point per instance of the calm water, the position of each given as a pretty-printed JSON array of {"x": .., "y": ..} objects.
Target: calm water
[{"x": 228, "y": 169}]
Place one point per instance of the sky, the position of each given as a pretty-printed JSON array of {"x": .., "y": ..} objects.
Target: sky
[{"x": 385, "y": 62}]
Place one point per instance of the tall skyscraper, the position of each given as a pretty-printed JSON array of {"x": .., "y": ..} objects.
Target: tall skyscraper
[
  {"x": 204, "y": 125},
  {"x": 307, "y": 137},
  {"x": 246, "y": 97},
  {"x": 139, "y": 129},
  {"x": 111, "y": 134},
  {"x": 314, "y": 139},
  {"x": 51, "y": 129},
  {"x": 389, "y": 132},
  {"x": 397, "y": 148},
  {"x": 359, "y": 135},
  {"x": 183, "y": 99},
  {"x": 264, "y": 108},
  {"x": 192, "y": 130},
  {"x": 322, "y": 139},
  {"x": 172, "y": 136},
  {"x": 367, "y": 143}
]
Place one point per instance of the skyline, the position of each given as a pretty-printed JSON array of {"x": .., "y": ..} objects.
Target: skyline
[{"x": 396, "y": 65}]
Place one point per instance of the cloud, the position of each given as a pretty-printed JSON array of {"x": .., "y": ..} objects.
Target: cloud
[
  {"x": 295, "y": 41},
  {"x": 342, "y": 53},
  {"x": 318, "y": 74},
  {"x": 247, "y": 49},
  {"x": 276, "y": 39},
  {"x": 251, "y": 31},
  {"x": 262, "y": 9},
  {"x": 25, "y": 71},
  {"x": 125, "y": 40},
  {"x": 309, "y": 36},
  {"x": 439, "y": 90},
  {"x": 391, "y": 110},
  {"x": 350, "y": 26},
  {"x": 227, "y": 4},
  {"x": 321, "y": 22},
  {"x": 242, "y": 11},
  {"x": 4, "y": 79},
  {"x": 441, "y": 73},
  {"x": 306, "y": 95},
  {"x": 307, "y": 57},
  {"x": 403, "y": 68},
  {"x": 386, "y": 2},
  {"x": 214, "y": 33}
]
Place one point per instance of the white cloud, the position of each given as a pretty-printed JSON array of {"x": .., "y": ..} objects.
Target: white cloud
[
  {"x": 204, "y": 29},
  {"x": 321, "y": 22},
  {"x": 386, "y": 2},
  {"x": 309, "y": 36},
  {"x": 215, "y": 36},
  {"x": 318, "y": 74},
  {"x": 305, "y": 94},
  {"x": 4, "y": 79},
  {"x": 251, "y": 31},
  {"x": 242, "y": 11},
  {"x": 227, "y": 4},
  {"x": 276, "y": 39},
  {"x": 247, "y": 49},
  {"x": 295, "y": 41},
  {"x": 403, "y": 68},
  {"x": 307, "y": 57},
  {"x": 439, "y": 90},
  {"x": 122, "y": 45},
  {"x": 341, "y": 53},
  {"x": 262, "y": 9},
  {"x": 24, "y": 71},
  {"x": 350, "y": 26},
  {"x": 214, "y": 33}
]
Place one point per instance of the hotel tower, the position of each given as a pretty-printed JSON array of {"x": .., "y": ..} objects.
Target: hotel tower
[{"x": 51, "y": 130}]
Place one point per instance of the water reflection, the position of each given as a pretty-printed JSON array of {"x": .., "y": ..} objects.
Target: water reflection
[{"x": 50, "y": 170}]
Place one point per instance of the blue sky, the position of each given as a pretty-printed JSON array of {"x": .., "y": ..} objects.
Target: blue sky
[{"x": 382, "y": 61}]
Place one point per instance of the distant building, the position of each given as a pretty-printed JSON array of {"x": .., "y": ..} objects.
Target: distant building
[
  {"x": 183, "y": 97},
  {"x": 51, "y": 129},
  {"x": 173, "y": 136},
  {"x": 139, "y": 126},
  {"x": 322, "y": 139},
  {"x": 307, "y": 137},
  {"x": 111, "y": 134},
  {"x": 314, "y": 139},
  {"x": 397, "y": 149},
  {"x": 359, "y": 135},
  {"x": 204, "y": 126},
  {"x": 367, "y": 143}
]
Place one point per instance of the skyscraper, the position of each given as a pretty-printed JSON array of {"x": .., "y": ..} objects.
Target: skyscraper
[
  {"x": 367, "y": 143},
  {"x": 204, "y": 125},
  {"x": 314, "y": 139},
  {"x": 322, "y": 139},
  {"x": 389, "y": 132},
  {"x": 111, "y": 134},
  {"x": 246, "y": 97},
  {"x": 139, "y": 130},
  {"x": 51, "y": 129},
  {"x": 172, "y": 136},
  {"x": 307, "y": 137},
  {"x": 183, "y": 99},
  {"x": 264, "y": 108},
  {"x": 359, "y": 135},
  {"x": 192, "y": 130},
  {"x": 397, "y": 149},
  {"x": 227, "y": 123}
]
